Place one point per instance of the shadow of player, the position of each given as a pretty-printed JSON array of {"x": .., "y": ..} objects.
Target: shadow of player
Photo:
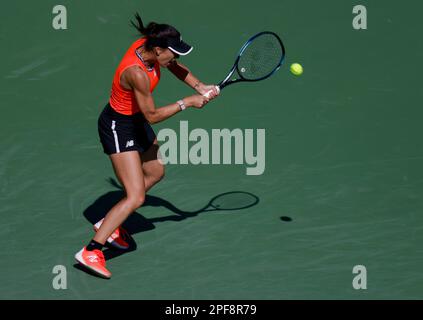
[{"x": 137, "y": 223}]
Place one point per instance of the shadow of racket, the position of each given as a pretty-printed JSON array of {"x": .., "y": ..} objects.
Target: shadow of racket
[{"x": 229, "y": 201}]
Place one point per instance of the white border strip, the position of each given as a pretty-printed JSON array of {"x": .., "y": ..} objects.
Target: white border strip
[
  {"x": 181, "y": 54},
  {"x": 115, "y": 135}
]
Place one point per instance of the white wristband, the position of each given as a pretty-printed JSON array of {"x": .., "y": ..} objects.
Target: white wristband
[{"x": 181, "y": 104}]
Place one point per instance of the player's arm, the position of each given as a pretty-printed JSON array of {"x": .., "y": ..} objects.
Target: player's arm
[
  {"x": 139, "y": 82},
  {"x": 184, "y": 74}
]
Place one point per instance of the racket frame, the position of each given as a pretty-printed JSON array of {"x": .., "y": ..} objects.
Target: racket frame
[{"x": 226, "y": 82}]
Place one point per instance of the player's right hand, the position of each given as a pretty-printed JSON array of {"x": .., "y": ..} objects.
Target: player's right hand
[{"x": 196, "y": 101}]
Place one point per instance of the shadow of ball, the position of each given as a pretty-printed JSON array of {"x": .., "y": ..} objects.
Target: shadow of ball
[{"x": 286, "y": 219}]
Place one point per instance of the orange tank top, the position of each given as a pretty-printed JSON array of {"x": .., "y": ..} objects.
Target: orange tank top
[{"x": 123, "y": 101}]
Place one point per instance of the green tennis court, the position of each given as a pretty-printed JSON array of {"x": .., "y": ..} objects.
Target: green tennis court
[{"x": 343, "y": 180}]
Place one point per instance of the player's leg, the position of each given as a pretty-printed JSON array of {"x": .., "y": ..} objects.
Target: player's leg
[
  {"x": 128, "y": 169},
  {"x": 153, "y": 170}
]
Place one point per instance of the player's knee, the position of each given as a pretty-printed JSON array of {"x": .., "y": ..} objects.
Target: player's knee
[
  {"x": 139, "y": 200},
  {"x": 136, "y": 200}
]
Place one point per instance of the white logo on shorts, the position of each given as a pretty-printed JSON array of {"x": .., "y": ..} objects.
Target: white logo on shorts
[{"x": 129, "y": 143}]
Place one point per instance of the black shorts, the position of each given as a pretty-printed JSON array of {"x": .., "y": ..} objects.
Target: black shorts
[{"x": 120, "y": 133}]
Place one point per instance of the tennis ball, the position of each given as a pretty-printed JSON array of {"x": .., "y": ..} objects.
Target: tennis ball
[{"x": 297, "y": 69}]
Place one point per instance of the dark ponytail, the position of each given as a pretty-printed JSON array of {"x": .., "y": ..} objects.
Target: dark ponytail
[
  {"x": 154, "y": 32},
  {"x": 139, "y": 25}
]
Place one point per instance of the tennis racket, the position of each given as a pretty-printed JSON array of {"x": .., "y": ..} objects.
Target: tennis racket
[{"x": 259, "y": 58}]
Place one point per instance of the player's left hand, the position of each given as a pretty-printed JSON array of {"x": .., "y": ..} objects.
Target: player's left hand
[{"x": 204, "y": 88}]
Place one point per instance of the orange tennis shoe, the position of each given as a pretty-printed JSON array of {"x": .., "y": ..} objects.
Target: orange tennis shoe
[
  {"x": 117, "y": 238},
  {"x": 95, "y": 261}
]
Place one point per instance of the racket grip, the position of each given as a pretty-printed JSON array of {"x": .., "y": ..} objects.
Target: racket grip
[{"x": 207, "y": 94}]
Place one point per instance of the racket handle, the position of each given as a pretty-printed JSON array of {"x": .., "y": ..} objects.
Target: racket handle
[{"x": 207, "y": 94}]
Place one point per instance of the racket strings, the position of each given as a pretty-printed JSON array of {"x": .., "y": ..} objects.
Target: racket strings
[{"x": 262, "y": 56}]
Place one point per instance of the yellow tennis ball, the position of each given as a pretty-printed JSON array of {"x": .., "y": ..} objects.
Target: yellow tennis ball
[{"x": 297, "y": 69}]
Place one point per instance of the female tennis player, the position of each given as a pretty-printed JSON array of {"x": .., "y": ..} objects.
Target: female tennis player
[{"x": 125, "y": 131}]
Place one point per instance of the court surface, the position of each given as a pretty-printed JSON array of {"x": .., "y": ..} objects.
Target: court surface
[{"x": 344, "y": 154}]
